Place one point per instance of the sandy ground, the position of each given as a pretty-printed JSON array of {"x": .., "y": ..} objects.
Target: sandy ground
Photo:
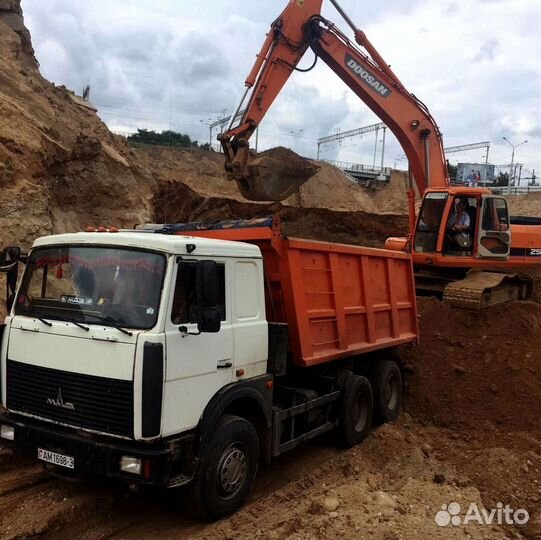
[
  {"x": 525, "y": 205},
  {"x": 459, "y": 440}
]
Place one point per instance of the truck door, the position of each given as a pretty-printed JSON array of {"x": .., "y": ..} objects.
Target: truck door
[
  {"x": 197, "y": 365},
  {"x": 494, "y": 237}
]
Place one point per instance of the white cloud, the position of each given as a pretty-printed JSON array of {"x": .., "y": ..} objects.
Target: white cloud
[{"x": 163, "y": 62}]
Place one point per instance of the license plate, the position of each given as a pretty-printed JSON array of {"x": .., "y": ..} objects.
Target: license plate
[{"x": 56, "y": 459}]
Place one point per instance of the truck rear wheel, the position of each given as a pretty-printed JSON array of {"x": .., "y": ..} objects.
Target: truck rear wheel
[
  {"x": 227, "y": 470},
  {"x": 355, "y": 418},
  {"x": 387, "y": 385}
]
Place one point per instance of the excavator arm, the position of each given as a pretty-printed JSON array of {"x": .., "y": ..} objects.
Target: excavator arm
[{"x": 298, "y": 28}]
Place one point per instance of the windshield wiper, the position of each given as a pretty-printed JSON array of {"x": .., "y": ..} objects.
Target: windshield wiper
[
  {"x": 111, "y": 321},
  {"x": 78, "y": 324},
  {"x": 63, "y": 319}
]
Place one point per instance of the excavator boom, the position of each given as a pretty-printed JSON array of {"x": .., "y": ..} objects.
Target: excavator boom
[{"x": 298, "y": 28}]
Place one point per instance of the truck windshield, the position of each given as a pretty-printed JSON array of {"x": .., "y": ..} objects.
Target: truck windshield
[
  {"x": 91, "y": 284},
  {"x": 428, "y": 225}
]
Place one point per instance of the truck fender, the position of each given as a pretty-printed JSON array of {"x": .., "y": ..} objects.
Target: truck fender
[{"x": 253, "y": 390}]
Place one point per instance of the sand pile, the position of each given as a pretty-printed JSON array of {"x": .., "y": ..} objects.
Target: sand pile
[
  {"x": 478, "y": 370},
  {"x": 525, "y": 205},
  {"x": 329, "y": 188},
  {"x": 60, "y": 167}
]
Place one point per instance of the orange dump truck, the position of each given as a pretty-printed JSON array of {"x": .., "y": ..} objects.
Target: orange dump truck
[
  {"x": 339, "y": 301},
  {"x": 184, "y": 355}
]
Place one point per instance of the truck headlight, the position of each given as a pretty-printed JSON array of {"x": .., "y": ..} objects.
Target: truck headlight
[
  {"x": 131, "y": 465},
  {"x": 7, "y": 432}
]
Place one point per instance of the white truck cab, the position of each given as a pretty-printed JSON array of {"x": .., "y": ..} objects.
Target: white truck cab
[{"x": 128, "y": 335}]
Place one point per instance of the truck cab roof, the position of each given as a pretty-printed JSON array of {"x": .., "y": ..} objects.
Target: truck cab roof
[{"x": 167, "y": 243}]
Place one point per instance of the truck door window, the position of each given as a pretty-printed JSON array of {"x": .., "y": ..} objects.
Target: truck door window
[
  {"x": 246, "y": 287},
  {"x": 185, "y": 309}
]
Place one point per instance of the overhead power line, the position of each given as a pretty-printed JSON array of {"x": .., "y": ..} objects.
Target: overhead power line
[
  {"x": 352, "y": 133},
  {"x": 221, "y": 121},
  {"x": 465, "y": 147}
]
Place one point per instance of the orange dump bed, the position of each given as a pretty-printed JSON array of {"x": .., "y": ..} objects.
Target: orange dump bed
[{"x": 338, "y": 300}]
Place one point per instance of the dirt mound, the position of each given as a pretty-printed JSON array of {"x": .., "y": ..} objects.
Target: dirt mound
[
  {"x": 329, "y": 188},
  {"x": 174, "y": 202},
  {"x": 60, "y": 167},
  {"x": 288, "y": 157},
  {"x": 478, "y": 370},
  {"x": 525, "y": 205}
]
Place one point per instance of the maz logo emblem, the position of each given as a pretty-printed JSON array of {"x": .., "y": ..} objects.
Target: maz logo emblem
[{"x": 59, "y": 401}]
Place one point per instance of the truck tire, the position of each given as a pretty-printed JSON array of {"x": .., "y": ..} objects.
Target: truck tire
[
  {"x": 227, "y": 470},
  {"x": 355, "y": 416},
  {"x": 387, "y": 385}
]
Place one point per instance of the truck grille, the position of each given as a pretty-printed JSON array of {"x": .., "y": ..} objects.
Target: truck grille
[{"x": 79, "y": 400}]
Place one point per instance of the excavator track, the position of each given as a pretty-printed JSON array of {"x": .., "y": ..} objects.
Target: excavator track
[{"x": 481, "y": 290}]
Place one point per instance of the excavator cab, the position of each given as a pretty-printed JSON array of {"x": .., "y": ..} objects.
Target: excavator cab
[
  {"x": 463, "y": 224},
  {"x": 461, "y": 263}
]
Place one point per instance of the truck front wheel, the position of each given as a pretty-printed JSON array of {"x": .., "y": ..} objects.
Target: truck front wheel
[
  {"x": 227, "y": 470},
  {"x": 355, "y": 419}
]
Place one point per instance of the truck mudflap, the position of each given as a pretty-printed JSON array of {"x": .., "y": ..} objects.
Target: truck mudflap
[{"x": 169, "y": 463}]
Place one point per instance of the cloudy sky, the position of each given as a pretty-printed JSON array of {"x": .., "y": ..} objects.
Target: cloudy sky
[{"x": 178, "y": 63}]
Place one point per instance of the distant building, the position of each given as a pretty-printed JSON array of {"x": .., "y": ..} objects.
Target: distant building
[{"x": 465, "y": 171}]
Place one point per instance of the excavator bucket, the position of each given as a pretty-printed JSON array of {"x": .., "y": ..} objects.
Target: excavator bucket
[{"x": 274, "y": 175}]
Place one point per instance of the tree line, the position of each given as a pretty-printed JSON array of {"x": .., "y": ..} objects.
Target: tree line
[{"x": 166, "y": 138}]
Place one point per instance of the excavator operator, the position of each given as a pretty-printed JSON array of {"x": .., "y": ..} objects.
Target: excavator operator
[{"x": 458, "y": 227}]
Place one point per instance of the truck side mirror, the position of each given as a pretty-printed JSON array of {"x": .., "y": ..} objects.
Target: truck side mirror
[
  {"x": 209, "y": 319},
  {"x": 10, "y": 254},
  {"x": 9, "y": 264}
]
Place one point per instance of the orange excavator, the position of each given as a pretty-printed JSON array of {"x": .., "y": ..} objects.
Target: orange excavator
[{"x": 465, "y": 246}]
